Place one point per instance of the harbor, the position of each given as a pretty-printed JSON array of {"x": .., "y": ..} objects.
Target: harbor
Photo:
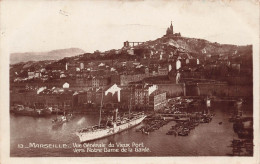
[{"x": 219, "y": 130}]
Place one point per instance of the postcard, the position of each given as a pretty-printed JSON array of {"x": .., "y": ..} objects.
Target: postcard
[{"x": 130, "y": 81}]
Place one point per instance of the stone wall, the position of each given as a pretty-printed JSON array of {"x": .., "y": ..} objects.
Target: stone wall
[{"x": 225, "y": 90}]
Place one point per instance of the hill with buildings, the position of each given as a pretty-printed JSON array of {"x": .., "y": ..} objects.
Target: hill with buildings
[
  {"x": 161, "y": 57},
  {"x": 174, "y": 65}
]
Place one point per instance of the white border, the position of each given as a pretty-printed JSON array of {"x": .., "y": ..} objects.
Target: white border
[{"x": 5, "y": 133}]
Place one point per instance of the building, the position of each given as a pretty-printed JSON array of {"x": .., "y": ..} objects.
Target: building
[
  {"x": 235, "y": 68},
  {"x": 95, "y": 82},
  {"x": 66, "y": 85},
  {"x": 91, "y": 99},
  {"x": 170, "y": 32},
  {"x": 57, "y": 98},
  {"x": 23, "y": 97},
  {"x": 192, "y": 62},
  {"x": 72, "y": 66},
  {"x": 37, "y": 74},
  {"x": 99, "y": 81},
  {"x": 126, "y": 79},
  {"x": 162, "y": 71},
  {"x": 130, "y": 51},
  {"x": 126, "y": 99},
  {"x": 126, "y": 44},
  {"x": 141, "y": 96},
  {"x": 86, "y": 99},
  {"x": 157, "y": 100},
  {"x": 178, "y": 64},
  {"x": 81, "y": 66},
  {"x": 30, "y": 74},
  {"x": 82, "y": 82}
]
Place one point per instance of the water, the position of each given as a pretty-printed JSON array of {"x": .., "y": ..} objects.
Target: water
[{"x": 210, "y": 139}]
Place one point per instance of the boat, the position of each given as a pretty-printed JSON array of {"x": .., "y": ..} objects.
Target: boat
[
  {"x": 112, "y": 126},
  {"x": 183, "y": 133},
  {"x": 140, "y": 129},
  {"x": 145, "y": 132},
  {"x": 56, "y": 110},
  {"x": 28, "y": 111},
  {"x": 60, "y": 120},
  {"x": 171, "y": 132}
]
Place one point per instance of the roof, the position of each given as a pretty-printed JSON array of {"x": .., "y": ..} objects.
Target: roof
[
  {"x": 157, "y": 92},
  {"x": 56, "y": 91}
]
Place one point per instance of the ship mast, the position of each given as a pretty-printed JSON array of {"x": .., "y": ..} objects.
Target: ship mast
[
  {"x": 100, "y": 107},
  {"x": 130, "y": 102}
]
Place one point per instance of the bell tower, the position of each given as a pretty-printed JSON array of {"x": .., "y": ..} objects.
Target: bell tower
[
  {"x": 169, "y": 30},
  {"x": 171, "y": 27}
]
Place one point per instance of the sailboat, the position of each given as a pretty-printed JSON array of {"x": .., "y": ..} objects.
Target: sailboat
[{"x": 113, "y": 125}]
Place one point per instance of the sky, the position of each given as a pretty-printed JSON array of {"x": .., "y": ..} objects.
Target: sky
[{"x": 33, "y": 26}]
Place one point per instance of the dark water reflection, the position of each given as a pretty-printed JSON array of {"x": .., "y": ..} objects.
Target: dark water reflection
[{"x": 210, "y": 139}]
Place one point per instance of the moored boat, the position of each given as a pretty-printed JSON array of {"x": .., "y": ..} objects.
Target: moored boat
[
  {"x": 110, "y": 128},
  {"x": 60, "y": 120},
  {"x": 27, "y": 111},
  {"x": 183, "y": 133}
]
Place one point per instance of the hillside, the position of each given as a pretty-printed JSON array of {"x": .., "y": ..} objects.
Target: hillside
[
  {"x": 39, "y": 56},
  {"x": 201, "y": 46}
]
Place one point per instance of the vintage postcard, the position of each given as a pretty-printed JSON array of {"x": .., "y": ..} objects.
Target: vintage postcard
[{"x": 130, "y": 81}]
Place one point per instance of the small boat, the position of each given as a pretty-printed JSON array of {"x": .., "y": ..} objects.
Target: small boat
[
  {"x": 183, "y": 133},
  {"x": 60, "y": 121},
  {"x": 140, "y": 129},
  {"x": 147, "y": 133},
  {"x": 171, "y": 132},
  {"x": 234, "y": 118},
  {"x": 204, "y": 120},
  {"x": 56, "y": 111},
  {"x": 186, "y": 130}
]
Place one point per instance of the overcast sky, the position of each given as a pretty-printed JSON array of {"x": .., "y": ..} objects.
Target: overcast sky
[{"x": 103, "y": 25}]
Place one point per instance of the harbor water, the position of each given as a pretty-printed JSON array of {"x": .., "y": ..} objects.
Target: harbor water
[{"x": 207, "y": 139}]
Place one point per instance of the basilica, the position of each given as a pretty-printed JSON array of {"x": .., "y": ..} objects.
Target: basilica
[{"x": 169, "y": 32}]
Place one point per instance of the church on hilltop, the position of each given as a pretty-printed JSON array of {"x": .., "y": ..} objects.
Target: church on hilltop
[{"x": 169, "y": 32}]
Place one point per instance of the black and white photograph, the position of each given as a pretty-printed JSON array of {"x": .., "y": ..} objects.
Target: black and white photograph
[{"x": 166, "y": 79}]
